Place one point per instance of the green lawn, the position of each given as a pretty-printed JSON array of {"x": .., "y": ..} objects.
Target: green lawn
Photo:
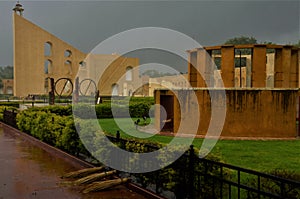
[{"x": 257, "y": 155}]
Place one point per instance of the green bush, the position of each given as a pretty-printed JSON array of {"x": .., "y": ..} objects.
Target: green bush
[
  {"x": 56, "y": 130},
  {"x": 56, "y": 109},
  {"x": 10, "y": 104},
  {"x": 276, "y": 187},
  {"x": 103, "y": 110},
  {"x": 107, "y": 110}
]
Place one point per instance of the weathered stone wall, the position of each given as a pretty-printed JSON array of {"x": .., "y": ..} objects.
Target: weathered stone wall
[
  {"x": 65, "y": 61},
  {"x": 249, "y": 112},
  {"x": 30, "y": 57}
]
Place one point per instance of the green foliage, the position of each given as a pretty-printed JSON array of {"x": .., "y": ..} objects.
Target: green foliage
[
  {"x": 241, "y": 40},
  {"x": 54, "y": 129},
  {"x": 155, "y": 73},
  {"x": 55, "y": 109},
  {"x": 108, "y": 110},
  {"x": 275, "y": 187},
  {"x": 6, "y": 72},
  {"x": 12, "y": 104},
  {"x": 104, "y": 111},
  {"x": 69, "y": 138},
  {"x": 138, "y": 109},
  {"x": 297, "y": 44}
]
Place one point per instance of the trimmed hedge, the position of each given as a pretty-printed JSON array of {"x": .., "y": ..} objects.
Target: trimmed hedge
[
  {"x": 10, "y": 104},
  {"x": 55, "y": 109},
  {"x": 56, "y": 130},
  {"x": 136, "y": 109}
]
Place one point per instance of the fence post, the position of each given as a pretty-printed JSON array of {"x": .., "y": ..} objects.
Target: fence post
[
  {"x": 118, "y": 136},
  {"x": 51, "y": 93},
  {"x": 191, "y": 172}
]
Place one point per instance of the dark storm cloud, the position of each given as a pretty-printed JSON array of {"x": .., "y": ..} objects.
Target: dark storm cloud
[{"x": 85, "y": 24}]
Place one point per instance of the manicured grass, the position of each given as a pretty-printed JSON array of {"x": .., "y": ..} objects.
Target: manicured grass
[
  {"x": 261, "y": 155},
  {"x": 253, "y": 154}
]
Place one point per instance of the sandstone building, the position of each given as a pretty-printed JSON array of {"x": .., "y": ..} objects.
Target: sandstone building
[
  {"x": 265, "y": 105},
  {"x": 39, "y": 56}
]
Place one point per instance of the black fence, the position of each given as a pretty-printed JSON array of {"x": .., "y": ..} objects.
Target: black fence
[
  {"x": 195, "y": 177},
  {"x": 9, "y": 117}
]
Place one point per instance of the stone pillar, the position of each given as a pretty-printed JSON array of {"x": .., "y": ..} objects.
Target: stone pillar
[
  {"x": 192, "y": 72},
  {"x": 278, "y": 68},
  {"x": 294, "y": 71},
  {"x": 282, "y": 67},
  {"x": 259, "y": 61},
  {"x": 210, "y": 68},
  {"x": 204, "y": 66},
  {"x": 157, "y": 109},
  {"x": 227, "y": 66}
]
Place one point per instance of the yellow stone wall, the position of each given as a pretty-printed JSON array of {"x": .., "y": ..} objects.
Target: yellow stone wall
[
  {"x": 266, "y": 108},
  {"x": 30, "y": 56},
  {"x": 249, "y": 112}
]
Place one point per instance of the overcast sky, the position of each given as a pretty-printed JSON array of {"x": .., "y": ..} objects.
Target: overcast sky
[{"x": 84, "y": 24}]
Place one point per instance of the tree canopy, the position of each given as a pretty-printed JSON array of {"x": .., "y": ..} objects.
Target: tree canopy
[
  {"x": 6, "y": 72},
  {"x": 155, "y": 73},
  {"x": 297, "y": 44},
  {"x": 241, "y": 40}
]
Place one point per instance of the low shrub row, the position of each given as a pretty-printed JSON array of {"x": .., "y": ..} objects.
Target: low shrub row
[
  {"x": 106, "y": 110},
  {"x": 9, "y": 104},
  {"x": 56, "y": 130}
]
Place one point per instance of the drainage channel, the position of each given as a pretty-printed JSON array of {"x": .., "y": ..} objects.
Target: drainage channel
[{"x": 32, "y": 169}]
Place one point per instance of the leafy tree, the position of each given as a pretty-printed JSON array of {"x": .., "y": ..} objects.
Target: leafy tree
[
  {"x": 269, "y": 50},
  {"x": 6, "y": 72},
  {"x": 297, "y": 44},
  {"x": 241, "y": 40},
  {"x": 155, "y": 73}
]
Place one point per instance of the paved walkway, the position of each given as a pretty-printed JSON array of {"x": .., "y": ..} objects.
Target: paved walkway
[{"x": 27, "y": 171}]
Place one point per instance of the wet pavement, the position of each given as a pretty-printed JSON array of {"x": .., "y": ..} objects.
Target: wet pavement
[{"x": 27, "y": 171}]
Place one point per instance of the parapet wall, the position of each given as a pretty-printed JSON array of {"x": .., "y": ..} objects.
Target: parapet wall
[{"x": 268, "y": 113}]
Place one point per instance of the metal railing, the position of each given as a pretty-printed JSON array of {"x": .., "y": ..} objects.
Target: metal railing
[
  {"x": 9, "y": 117},
  {"x": 205, "y": 178}
]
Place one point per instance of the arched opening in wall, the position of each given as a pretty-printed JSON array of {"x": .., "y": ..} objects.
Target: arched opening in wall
[
  {"x": 48, "y": 66},
  {"x": 82, "y": 64},
  {"x": 9, "y": 90},
  {"x": 115, "y": 90},
  {"x": 68, "y": 66},
  {"x": 129, "y": 73},
  {"x": 67, "y": 53},
  {"x": 47, "y": 49}
]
